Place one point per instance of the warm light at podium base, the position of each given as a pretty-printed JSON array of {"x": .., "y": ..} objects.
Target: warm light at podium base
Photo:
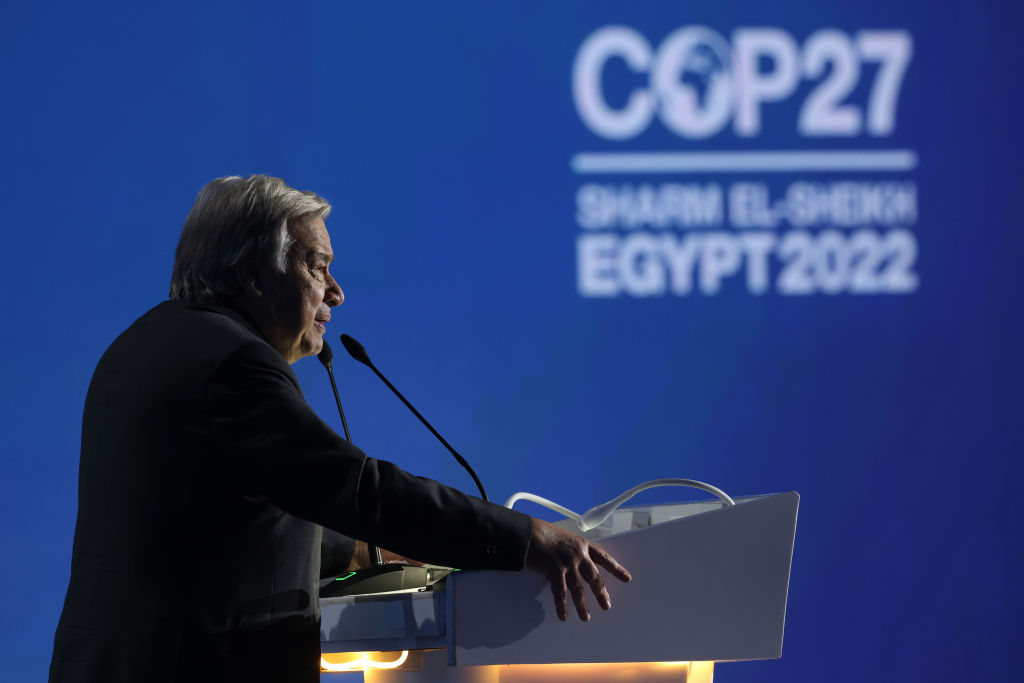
[
  {"x": 648, "y": 672},
  {"x": 388, "y": 667},
  {"x": 362, "y": 661}
]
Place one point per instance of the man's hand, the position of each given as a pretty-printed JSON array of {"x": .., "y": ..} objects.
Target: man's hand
[{"x": 570, "y": 562}]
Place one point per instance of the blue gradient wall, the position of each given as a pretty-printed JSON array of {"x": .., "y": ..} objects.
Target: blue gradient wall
[{"x": 564, "y": 355}]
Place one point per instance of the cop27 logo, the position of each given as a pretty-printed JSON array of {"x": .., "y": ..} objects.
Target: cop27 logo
[{"x": 698, "y": 82}]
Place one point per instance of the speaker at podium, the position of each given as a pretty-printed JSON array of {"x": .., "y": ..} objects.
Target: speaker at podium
[{"x": 710, "y": 584}]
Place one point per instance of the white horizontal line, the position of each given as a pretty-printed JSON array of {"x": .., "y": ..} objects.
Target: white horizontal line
[{"x": 740, "y": 162}]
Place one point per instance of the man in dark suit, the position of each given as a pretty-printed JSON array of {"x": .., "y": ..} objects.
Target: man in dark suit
[{"x": 206, "y": 480}]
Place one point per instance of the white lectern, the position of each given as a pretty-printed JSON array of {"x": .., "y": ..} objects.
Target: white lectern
[{"x": 709, "y": 584}]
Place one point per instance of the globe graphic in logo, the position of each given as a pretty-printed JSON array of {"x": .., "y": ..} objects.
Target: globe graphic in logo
[
  {"x": 693, "y": 77},
  {"x": 702, "y": 69}
]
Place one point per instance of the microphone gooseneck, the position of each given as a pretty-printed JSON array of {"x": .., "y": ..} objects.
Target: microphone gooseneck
[
  {"x": 356, "y": 350},
  {"x": 326, "y": 358}
]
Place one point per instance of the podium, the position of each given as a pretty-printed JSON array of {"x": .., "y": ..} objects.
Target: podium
[{"x": 709, "y": 585}]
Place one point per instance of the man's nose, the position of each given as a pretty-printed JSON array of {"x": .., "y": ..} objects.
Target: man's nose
[{"x": 333, "y": 296}]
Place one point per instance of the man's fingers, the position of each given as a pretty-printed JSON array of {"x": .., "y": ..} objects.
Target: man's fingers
[
  {"x": 579, "y": 594},
  {"x": 558, "y": 591},
  {"x": 608, "y": 562},
  {"x": 589, "y": 572},
  {"x": 571, "y": 565}
]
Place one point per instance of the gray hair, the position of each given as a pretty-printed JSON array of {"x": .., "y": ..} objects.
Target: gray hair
[{"x": 234, "y": 222}]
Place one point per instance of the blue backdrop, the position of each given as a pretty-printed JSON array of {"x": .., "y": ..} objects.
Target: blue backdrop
[{"x": 769, "y": 246}]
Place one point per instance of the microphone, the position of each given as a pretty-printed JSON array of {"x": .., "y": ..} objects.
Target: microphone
[
  {"x": 356, "y": 350},
  {"x": 326, "y": 358}
]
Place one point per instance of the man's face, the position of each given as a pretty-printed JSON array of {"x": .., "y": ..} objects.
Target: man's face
[{"x": 293, "y": 308}]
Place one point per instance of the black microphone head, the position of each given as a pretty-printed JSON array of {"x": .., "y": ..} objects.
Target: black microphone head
[
  {"x": 326, "y": 356},
  {"x": 356, "y": 350}
]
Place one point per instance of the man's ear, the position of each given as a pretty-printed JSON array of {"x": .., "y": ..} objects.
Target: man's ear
[{"x": 249, "y": 280}]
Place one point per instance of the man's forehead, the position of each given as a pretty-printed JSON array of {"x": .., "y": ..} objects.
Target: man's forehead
[{"x": 312, "y": 238}]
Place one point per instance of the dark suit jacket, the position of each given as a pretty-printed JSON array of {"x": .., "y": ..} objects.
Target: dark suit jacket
[{"x": 205, "y": 479}]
